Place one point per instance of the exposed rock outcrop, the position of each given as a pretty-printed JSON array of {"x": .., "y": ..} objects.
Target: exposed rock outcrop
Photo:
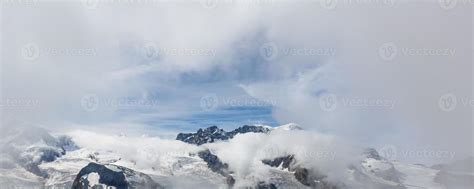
[
  {"x": 214, "y": 133},
  {"x": 216, "y": 165},
  {"x": 102, "y": 176},
  {"x": 303, "y": 175}
]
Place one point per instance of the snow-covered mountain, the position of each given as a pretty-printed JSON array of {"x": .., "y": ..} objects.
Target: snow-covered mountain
[
  {"x": 247, "y": 157},
  {"x": 23, "y": 149},
  {"x": 213, "y": 133}
]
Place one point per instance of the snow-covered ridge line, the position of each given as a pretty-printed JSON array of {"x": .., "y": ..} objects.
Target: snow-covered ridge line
[
  {"x": 214, "y": 133},
  {"x": 244, "y": 158}
]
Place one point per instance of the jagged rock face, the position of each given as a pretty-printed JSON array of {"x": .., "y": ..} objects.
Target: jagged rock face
[
  {"x": 284, "y": 161},
  {"x": 213, "y": 133},
  {"x": 216, "y": 165},
  {"x": 263, "y": 185},
  {"x": 203, "y": 136},
  {"x": 248, "y": 129},
  {"x": 112, "y": 175},
  {"x": 372, "y": 153},
  {"x": 303, "y": 175},
  {"x": 307, "y": 178}
]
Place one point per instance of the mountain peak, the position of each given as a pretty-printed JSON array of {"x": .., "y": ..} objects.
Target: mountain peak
[
  {"x": 214, "y": 133},
  {"x": 104, "y": 176},
  {"x": 288, "y": 127},
  {"x": 372, "y": 153}
]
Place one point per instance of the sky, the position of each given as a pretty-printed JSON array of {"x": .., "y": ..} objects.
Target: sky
[{"x": 160, "y": 67}]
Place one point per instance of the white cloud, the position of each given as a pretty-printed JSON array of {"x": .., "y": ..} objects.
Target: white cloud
[
  {"x": 313, "y": 150},
  {"x": 116, "y": 68}
]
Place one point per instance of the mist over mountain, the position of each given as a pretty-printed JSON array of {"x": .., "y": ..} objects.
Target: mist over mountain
[
  {"x": 255, "y": 156},
  {"x": 323, "y": 94}
]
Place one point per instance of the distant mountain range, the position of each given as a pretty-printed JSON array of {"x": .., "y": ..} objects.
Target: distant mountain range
[
  {"x": 33, "y": 158},
  {"x": 213, "y": 133}
]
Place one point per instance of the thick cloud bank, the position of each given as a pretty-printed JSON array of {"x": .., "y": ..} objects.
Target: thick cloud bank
[{"x": 390, "y": 66}]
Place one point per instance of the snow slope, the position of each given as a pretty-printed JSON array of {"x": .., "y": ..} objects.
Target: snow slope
[{"x": 32, "y": 158}]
